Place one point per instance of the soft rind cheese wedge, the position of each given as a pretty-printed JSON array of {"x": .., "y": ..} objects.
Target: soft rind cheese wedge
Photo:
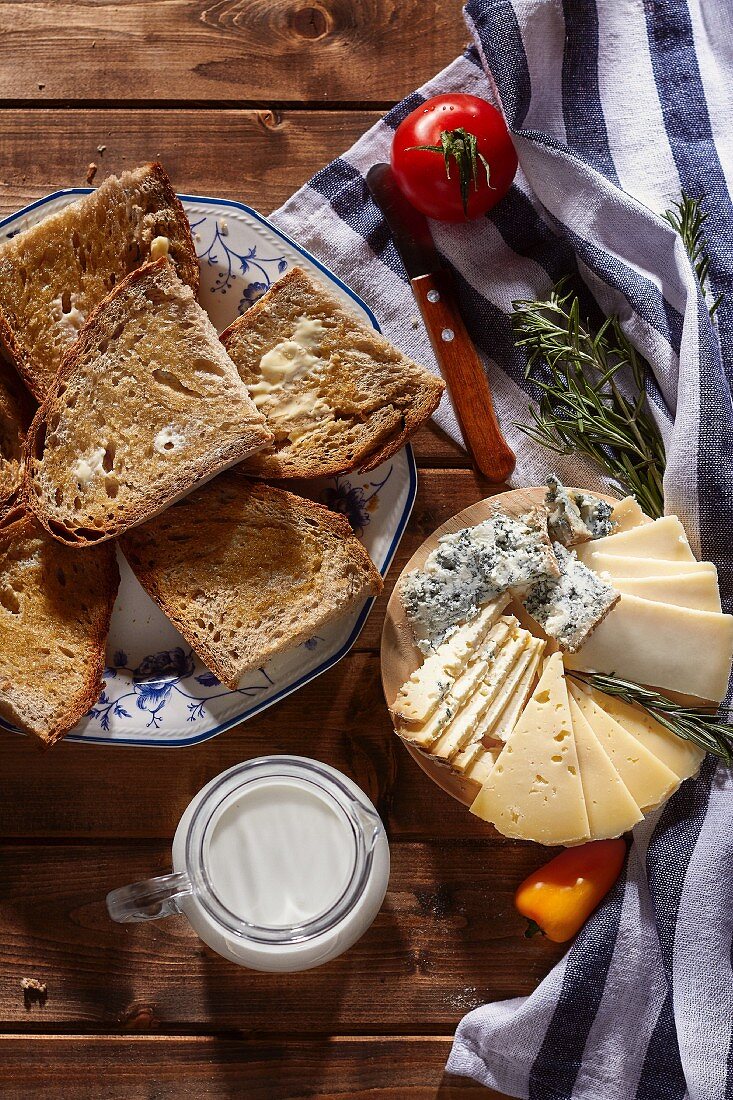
[
  {"x": 494, "y": 685},
  {"x": 611, "y": 809},
  {"x": 664, "y": 538},
  {"x": 534, "y": 791},
  {"x": 647, "y": 779},
  {"x": 626, "y": 515},
  {"x": 621, "y": 567},
  {"x": 696, "y": 590},
  {"x": 420, "y": 695},
  {"x": 663, "y": 646},
  {"x": 513, "y": 696},
  {"x": 681, "y": 757},
  {"x": 463, "y": 687}
]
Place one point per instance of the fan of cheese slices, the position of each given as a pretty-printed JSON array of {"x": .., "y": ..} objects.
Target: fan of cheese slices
[{"x": 494, "y": 704}]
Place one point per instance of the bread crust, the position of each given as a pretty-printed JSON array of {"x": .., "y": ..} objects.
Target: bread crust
[
  {"x": 159, "y": 498},
  {"x": 389, "y": 432},
  {"x": 138, "y": 543},
  {"x": 86, "y": 695}
]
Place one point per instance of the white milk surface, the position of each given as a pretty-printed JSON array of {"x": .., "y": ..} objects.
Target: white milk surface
[{"x": 280, "y": 853}]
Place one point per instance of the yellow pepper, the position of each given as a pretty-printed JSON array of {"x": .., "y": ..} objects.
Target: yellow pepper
[{"x": 559, "y": 897}]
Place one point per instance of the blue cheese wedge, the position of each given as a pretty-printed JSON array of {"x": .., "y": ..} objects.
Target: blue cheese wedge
[
  {"x": 471, "y": 567},
  {"x": 568, "y": 607},
  {"x": 575, "y": 517}
]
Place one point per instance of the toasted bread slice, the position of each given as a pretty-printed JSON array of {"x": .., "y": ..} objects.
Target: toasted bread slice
[
  {"x": 245, "y": 570},
  {"x": 336, "y": 394},
  {"x": 16, "y": 413},
  {"x": 146, "y": 404},
  {"x": 55, "y": 608},
  {"x": 53, "y": 274}
]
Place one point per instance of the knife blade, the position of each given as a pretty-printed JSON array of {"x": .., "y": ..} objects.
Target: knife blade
[{"x": 455, "y": 353}]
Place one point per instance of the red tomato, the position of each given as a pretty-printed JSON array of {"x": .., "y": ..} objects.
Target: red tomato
[{"x": 438, "y": 180}]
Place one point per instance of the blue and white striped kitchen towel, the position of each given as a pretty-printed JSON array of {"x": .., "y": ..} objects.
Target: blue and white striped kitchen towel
[{"x": 616, "y": 108}]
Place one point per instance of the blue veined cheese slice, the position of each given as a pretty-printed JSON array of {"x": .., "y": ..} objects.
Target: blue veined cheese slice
[
  {"x": 570, "y": 606},
  {"x": 534, "y": 791},
  {"x": 576, "y": 516},
  {"x": 493, "y": 686},
  {"x": 680, "y": 756},
  {"x": 664, "y": 538},
  {"x": 420, "y": 695},
  {"x": 648, "y": 780},
  {"x": 499, "y": 719},
  {"x": 611, "y": 809},
  {"x": 472, "y": 566},
  {"x": 463, "y": 687}
]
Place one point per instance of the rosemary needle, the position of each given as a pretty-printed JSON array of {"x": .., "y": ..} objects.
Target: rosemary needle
[
  {"x": 688, "y": 219},
  {"x": 701, "y": 725}
]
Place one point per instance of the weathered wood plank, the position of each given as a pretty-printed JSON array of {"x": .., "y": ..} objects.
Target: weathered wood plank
[
  {"x": 343, "y": 1067},
  {"x": 229, "y": 51},
  {"x": 340, "y": 718},
  {"x": 447, "y": 939}
]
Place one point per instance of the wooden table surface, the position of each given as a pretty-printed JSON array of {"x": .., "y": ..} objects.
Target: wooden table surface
[{"x": 242, "y": 99}]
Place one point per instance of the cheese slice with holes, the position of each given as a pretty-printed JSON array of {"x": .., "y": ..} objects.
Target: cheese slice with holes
[
  {"x": 696, "y": 590},
  {"x": 495, "y": 685},
  {"x": 621, "y": 567},
  {"x": 663, "y": 646},
  {"x": 664, "y": 538},
  {"x": 648, "y": 780},
  {"x": 611, "y": 809},
  {"x": 534, "y": 791},
  {"x": 627, "y": 514},
  {"x": 420, "y": 695},
  {"x": 681, "y": 757},
  {"x": 501, "y": 717},
  {"x": 463, "y": 687}
]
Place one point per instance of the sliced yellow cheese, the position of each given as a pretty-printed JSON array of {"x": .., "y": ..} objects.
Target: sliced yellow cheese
[
  {"x": 647, "y": 779},
  {"x": 627, "y": 514},
  {"x": 682, "y": 757},
  {"x": 697, "y": 590},
  {"x": 461, "y": 727},
  {"x": 534, "y": 791},
  {"x": 483, "y": 765},
  {"x": 611, "y": 809},
  {"x": 500, "y": 717},
  {"x": 463, "y": 687},
  {"x": 621, "y": 567},
  {"x": 663, "y": 646},
  {"x": 664, "y": 538},
  {"x": 420, "y": 695}
]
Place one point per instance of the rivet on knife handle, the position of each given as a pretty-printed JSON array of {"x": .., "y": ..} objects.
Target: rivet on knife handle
[{"x": 464, "y": 376}]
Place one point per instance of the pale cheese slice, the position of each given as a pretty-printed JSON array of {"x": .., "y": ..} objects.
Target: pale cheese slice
[
  {"x": 627, "y": 514},
  {"x": 495, "y": 683},
  {"x": 663, "y": 646},
  {"x": 463, "y": 687},
  {"x": 483, "y": 764},
  {"x": 420, "y": 695},
  {"x": 646, "y": 778},
  {"x": 501, "y": 717},
  {"x": 611, "y": 809},
  {"x": 664, "y": 538},
  {"x": 696, "y": 590},
  {"x": 680, "y": 756},
  {"x": 534, "y": 791},
  {"x": 621, "y": 567}
]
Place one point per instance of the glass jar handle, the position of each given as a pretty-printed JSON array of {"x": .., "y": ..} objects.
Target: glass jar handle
[{"x": 150, "y": 899}]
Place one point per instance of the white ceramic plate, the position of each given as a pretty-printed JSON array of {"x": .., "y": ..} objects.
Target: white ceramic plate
[{"x": 157, "y": 692}]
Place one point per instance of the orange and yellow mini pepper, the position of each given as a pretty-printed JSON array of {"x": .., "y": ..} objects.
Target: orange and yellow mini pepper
[{"x": 559, "y": 897}]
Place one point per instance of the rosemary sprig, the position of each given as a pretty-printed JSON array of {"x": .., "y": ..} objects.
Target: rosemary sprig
[
  {"x": 581, "y": 409},
  {"x": 701, "y": 725},
  {"x": 688, "y": 218}
]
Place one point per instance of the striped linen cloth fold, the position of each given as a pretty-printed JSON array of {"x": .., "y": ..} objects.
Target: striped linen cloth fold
[{"x": 616, "y": 108}]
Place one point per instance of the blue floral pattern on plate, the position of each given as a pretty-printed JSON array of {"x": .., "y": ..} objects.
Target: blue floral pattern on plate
[{"x": 156, "y": 690}]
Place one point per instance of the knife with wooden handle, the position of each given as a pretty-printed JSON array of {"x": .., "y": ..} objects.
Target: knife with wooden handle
[{"x": 457, "y": 357}]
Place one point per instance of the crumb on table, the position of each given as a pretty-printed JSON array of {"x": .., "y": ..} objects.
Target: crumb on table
[
  {"x": 34, "y": 991},
  {"x": 91, "y": 172}
]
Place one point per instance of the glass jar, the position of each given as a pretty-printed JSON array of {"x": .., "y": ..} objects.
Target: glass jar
[{"x": 280, "y": 864}]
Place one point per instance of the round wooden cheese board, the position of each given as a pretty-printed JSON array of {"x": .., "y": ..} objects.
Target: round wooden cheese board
[{"x": 399, "y": 654}]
